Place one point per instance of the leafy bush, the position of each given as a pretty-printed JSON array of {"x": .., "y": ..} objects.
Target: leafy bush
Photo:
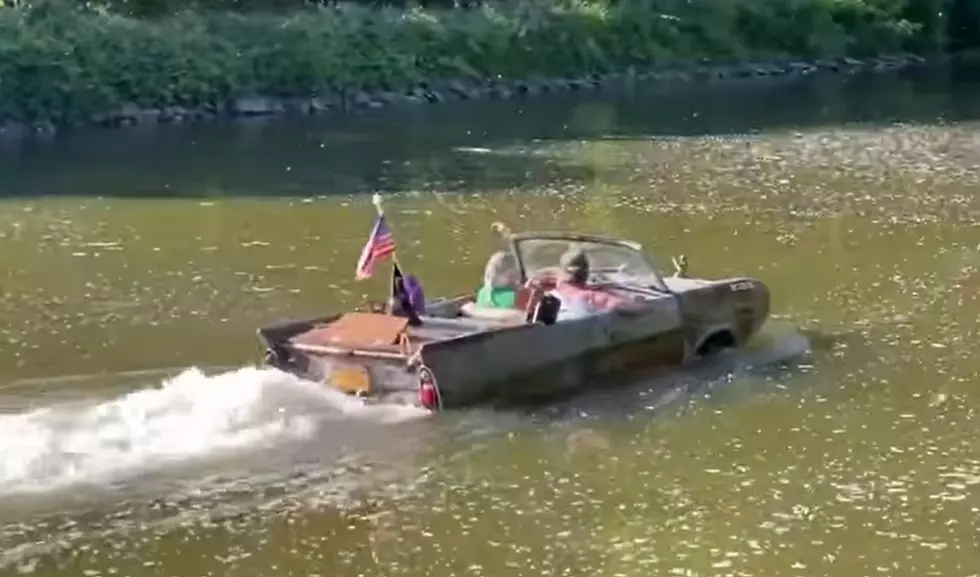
[{"x": 68, "y": 62}]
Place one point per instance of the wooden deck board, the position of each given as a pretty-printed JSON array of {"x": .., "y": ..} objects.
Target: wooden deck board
[
  {"x": 382, "y": 332},
  {"x": 357, "y": 330}
]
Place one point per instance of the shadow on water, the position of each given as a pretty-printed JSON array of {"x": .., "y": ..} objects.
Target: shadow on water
[
  {"x": 432, "y": 147},
  {"x": 748, "y": 370},
  {"x": 774, "y": 363}
]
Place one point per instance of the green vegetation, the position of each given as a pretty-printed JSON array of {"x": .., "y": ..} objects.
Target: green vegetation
[{"x": 70, "y": 62}]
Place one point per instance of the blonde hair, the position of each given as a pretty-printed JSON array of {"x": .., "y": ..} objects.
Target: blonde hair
[{"x": 500, "y": 270}]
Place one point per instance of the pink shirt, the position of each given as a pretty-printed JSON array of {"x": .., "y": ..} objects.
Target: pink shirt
[{"x": 597, "y": 299}]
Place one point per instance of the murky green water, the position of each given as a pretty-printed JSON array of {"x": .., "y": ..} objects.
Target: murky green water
[{"x": 854, "y": 202}]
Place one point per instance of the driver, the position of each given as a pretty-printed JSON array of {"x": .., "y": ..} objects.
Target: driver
[{"x": 577, "y": 298}]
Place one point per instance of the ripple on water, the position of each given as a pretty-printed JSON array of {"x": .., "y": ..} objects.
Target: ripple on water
[{"x": 860, "y": 460}]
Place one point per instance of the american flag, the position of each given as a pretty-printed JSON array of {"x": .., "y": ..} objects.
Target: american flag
[{"x": 380, "y": 244}]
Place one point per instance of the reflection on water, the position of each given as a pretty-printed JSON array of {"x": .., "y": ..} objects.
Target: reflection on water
[
  {"x": 840, "y": 443},
  {"x": 431, "y": 147}
]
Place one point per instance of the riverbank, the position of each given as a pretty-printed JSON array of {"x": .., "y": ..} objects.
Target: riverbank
[{"x": 64, "y": 67}]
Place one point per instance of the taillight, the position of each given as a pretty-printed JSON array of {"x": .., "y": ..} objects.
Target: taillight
[{"x": 428, "y": 391}]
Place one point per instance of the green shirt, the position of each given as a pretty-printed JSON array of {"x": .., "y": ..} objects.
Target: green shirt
[{"x": 498, "y": 298}]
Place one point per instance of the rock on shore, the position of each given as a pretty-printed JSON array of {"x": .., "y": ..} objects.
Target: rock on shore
[{"x": 344, "y": 100}]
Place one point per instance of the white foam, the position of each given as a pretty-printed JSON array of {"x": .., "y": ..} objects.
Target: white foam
[{"x": 191, "y": 416}]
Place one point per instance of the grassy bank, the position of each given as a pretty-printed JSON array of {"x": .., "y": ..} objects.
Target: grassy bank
[{"x": 67, "y": 64}]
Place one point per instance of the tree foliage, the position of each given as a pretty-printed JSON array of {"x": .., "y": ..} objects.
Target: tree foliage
[{"x": 69, "y": 61}]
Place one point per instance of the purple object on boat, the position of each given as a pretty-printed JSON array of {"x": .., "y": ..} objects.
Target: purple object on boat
[{"x": 416, "y": 296}]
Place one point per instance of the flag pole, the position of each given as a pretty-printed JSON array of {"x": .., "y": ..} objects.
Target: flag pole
[{"x": 379, "y": 206}]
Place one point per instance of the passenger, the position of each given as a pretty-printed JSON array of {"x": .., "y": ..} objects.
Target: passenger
[
  {"x": 578, "y": 300},
  {"x": 500, "y": 282}
]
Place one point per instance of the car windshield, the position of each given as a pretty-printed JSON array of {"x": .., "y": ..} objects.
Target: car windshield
[{"x": 608, "y": 261}]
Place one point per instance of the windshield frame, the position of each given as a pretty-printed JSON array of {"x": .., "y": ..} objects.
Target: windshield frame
[{"x": 518, "y": 239}]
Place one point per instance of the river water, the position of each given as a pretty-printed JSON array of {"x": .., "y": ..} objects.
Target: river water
[{"x": 137, "y": 438}]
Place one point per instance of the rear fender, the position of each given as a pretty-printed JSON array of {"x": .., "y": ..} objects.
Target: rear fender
[{"x": 738, "y": 304}]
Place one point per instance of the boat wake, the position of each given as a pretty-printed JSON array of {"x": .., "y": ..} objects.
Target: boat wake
[
  {"x": 182, "y": 420},
  {"x": 249, "y": 414}
]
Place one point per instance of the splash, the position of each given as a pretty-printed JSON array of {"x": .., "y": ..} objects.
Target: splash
[{"x": 189, "y": 417}]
